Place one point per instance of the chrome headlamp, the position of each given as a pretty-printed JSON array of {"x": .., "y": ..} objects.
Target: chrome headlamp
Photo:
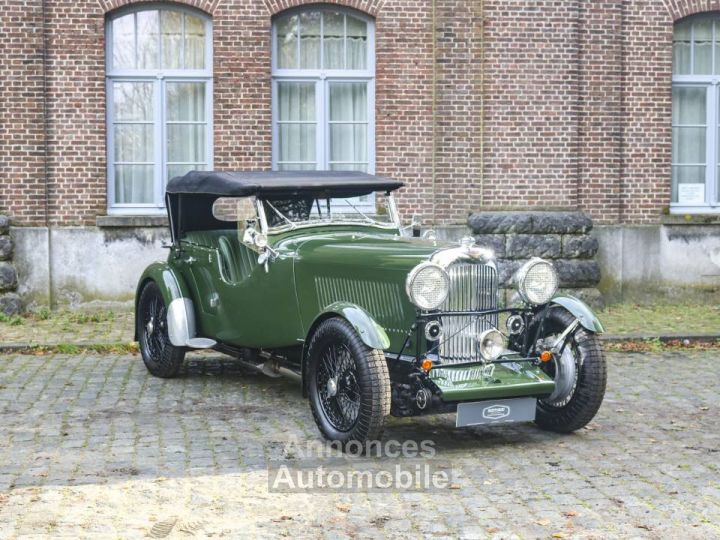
[
  {"x": 537, "y": 281},
  {"x": 427, "y": 285},
  {"x": 492, "y": 344}
]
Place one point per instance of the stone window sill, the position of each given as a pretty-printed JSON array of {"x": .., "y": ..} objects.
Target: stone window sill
[
  {"x": 690, "y": 219},
  {"x": 132, "y": 221}
]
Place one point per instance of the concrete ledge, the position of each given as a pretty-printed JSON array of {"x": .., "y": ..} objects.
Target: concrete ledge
[
  {"x": 132, "y": 221},
  {"x": 690, "y": 219}
]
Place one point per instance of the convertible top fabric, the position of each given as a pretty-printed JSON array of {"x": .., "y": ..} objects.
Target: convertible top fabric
[
  {"x": 280, "y": 184},
  {"x": 190, "y": 198}
]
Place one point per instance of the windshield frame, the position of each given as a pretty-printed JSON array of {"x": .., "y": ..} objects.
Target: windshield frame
[{"x": 393, "y": 224}]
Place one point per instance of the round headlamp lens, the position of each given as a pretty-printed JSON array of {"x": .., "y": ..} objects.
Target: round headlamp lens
[
  {"x": 538, "y": 283},
  {"x": 428, "y": 286},
  {"x": 492, "y": 344}
]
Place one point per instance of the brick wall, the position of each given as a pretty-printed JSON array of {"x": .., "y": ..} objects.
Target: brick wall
[
  {"x": 22, "y": 184},
  {"x": 525, "y": 104}
]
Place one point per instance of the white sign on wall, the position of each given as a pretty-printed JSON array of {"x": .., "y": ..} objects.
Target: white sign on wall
[{"x": 691, "y": 193}]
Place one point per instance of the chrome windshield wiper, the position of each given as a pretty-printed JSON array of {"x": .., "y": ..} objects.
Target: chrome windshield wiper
[{"x": 371, "y": 220}]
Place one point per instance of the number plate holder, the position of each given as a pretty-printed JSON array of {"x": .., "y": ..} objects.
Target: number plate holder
[{"x": 499, "y": 411}]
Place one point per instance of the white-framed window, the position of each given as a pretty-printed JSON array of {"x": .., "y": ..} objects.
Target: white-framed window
[
  {"x": 696, "y": 115},
  {"x": 159, "y": 102},
  {"x": 323, "y": 93}
]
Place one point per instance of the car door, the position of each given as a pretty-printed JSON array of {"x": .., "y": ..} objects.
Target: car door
[{"x": 248, "y": 304}]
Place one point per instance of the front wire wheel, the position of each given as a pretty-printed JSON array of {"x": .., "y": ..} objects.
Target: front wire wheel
[
  {"x": 348, "y": 384},
  {"x": 580, "y": 373},
  {"x": 161, "y": 357}
]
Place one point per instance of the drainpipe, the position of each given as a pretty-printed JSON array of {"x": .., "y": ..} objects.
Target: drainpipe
[
  {"x": 46, "y": 150},
  {"x": 434, "y": 111},
  {"x": 481, "y": 84}
]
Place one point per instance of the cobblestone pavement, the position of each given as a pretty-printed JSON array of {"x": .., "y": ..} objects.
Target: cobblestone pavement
[{"x": 93, "y": 446}]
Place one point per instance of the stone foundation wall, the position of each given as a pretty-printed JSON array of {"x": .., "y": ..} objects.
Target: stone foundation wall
[
  {"x": 562, "y": 237},
  {"x": 9, "y": 300}
]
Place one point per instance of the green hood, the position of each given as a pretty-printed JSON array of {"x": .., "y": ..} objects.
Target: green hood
[
  {"x": 360, "y": 251},
  {"x": 367, "y": 269}
]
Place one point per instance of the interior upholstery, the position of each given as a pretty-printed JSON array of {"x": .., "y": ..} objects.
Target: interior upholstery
[{"x": 236, "y": 259}]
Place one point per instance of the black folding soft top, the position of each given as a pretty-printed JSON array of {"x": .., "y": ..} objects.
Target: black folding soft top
[
  {"x": 279, "y": 184},
  {"x": 190, "y": 198}
]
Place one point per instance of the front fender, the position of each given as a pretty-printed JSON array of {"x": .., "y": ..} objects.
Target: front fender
[
  {"x": 372, "y": 334},
  {"x": 581, "y": 311},
  {"x": 176, "y": 294}
]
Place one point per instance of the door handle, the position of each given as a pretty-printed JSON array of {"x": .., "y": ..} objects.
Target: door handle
[{"x": 190, "y": 260}]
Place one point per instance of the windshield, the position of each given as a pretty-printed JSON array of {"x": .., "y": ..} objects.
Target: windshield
[{"x": 377, "y": 210}]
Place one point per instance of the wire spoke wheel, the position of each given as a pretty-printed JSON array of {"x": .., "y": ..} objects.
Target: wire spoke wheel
[
  {"x": 347, "y": 383},
  {"x": 154, "y": 320},
  {"x": 160, "y": 356},
  {"x": 336, "y": 379}
]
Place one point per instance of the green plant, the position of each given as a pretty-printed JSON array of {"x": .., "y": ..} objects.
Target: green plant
[{"x": 12, "y": 320}]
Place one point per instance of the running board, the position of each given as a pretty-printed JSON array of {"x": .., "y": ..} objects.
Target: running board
[{"x": 200, "y": 343}]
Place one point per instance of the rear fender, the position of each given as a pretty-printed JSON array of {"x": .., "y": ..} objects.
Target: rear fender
[
  {"x": 175, "y": 293},
  {"x": 581, "y": 311}
]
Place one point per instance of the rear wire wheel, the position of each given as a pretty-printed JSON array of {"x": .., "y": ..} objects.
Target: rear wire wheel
[
  {"x": 348, "y": 384},
  {"x": 161, "y": 357}
]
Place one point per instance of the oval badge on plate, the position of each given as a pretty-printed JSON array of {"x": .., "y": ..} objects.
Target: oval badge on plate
[{"x": 496, "y": 412}]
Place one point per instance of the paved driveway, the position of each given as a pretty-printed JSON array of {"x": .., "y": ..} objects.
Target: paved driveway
[{"x": 93, "y": 446}]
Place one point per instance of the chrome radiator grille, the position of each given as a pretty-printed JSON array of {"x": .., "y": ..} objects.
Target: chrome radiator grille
[{"x": 473, "y": 287}]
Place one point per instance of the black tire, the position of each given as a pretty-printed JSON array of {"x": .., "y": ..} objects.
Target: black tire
[
  {"x": 161, "y": 357},
  {"x": 356, "y": 411},
  {"x": 580, "y": 406}
]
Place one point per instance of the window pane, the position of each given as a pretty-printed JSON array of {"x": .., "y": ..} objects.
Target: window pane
[
  {"x": 348, "y": 142},
  {"x": 356, "y": 43},
  {"x": 132, "y": 101},
  {"x": 181, "y": 170},
  {"x": 362, "y": 167},
  {"x": 296, "y": 101},
  {"x": 296, "y": 166},
  {"x": 348, "y": 102},
  {"x": 148, "y": 39},
  {"x": 681, "y": 57},
  {"x": 310, "y": 40},
  {"x": 185, "y": 101},
  {"x": 133, "y": 184},
  {"x": 686, "y": 174},
  {"x": 123, "y": 42},
  {"x": 287, "y": 42},
  {"x": 296, "y": 142},
  {"x": 688, "y": 106},
  {"x": 702, "y": 64},
  {"x": 134, "y": 142},
  {"x": 186, "y": 142},
  {"x": 688, "y": 145},
  {"x": 171, "y": 28},
  {"x": 334, "y": 40},
  {"x": 194, "y": 42}
]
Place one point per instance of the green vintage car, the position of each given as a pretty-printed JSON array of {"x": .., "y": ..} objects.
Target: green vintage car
[{"x": 312, "y": 275}]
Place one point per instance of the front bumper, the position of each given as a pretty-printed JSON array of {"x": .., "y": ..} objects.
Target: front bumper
[{"x": 505, "y": 378}]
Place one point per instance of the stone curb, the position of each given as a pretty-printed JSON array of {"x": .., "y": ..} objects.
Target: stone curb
[
  {"x": 103, "y": 347},
  {"x": 705, "y": 338}
]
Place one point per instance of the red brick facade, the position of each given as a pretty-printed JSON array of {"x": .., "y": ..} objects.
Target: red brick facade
[{"x": 479, "y": 105}]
